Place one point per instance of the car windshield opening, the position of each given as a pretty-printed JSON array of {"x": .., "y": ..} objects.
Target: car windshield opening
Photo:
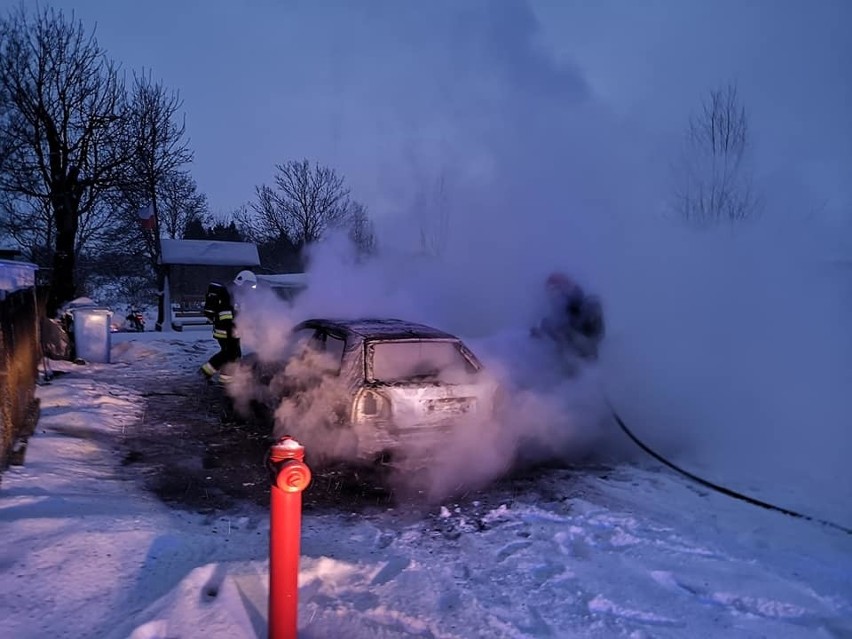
[{"x": 410, "y": 361}]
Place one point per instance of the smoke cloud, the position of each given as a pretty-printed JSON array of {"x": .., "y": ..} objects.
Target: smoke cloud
[
  {"x": 727, "y": 349},
  {"x": 548, "y": 406}
]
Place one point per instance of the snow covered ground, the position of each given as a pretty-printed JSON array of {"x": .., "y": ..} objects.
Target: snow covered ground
[{"x": 624, "y": 551}]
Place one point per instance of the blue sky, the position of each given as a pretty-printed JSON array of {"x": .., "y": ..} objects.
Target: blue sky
[{"x": 398, "y": 94}]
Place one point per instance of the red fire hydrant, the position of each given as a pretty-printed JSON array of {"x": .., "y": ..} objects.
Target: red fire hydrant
[{"x": 289, "y": 476}]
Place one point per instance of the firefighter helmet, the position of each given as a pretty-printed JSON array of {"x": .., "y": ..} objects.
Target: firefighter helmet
[{"x": 246, "y": 277}]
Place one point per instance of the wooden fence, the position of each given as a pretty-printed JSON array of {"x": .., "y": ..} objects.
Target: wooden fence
[{"x": 20, "y": 352}]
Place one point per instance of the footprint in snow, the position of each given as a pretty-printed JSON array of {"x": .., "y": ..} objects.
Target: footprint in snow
[
  {"x": 510, "y": 549},
  {"x": 741, "y": 603},
  {"x": 391, "y": 570}
]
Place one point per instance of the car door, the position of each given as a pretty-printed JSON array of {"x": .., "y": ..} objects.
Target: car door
[{"x": 332, "y": 347}]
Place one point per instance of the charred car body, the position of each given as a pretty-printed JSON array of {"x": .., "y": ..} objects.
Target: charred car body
[{"x": 370, "y": 389}]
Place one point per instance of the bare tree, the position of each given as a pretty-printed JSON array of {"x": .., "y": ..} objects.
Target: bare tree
[
  {"x": 713, "y": 178},
  {"x": 34, "y": 231},
  {"x": 277, "y": 251},
  {"x": 159, "y": 148},
  {"x": 268, "y": 220},
  {"x": 307, "y": 201},
  {"x": 248, "y": 223},
  {"x": 179, "y": 203},
  {"x": 154, "y": 176},
  {"x": 361, "y": 231},
  {"x": 63, "y": 117},
  {"x": 434, "y": 218}
]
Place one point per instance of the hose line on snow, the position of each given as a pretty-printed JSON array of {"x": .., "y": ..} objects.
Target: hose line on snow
[{"x": 721, "y": 489}]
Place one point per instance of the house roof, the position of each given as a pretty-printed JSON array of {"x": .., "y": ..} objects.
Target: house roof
[
  {"x": 209, "y": 253},
  {"x": 15, "y": 276},
  {"x": 284, "y": 280}
]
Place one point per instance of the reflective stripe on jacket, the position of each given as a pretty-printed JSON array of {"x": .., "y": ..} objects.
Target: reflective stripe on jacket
[{"x": 223, "y": 324}]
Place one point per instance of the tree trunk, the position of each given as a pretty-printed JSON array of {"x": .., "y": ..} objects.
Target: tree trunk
[
  {"x": 161, "y": 298},
  {"x": 62, "y": 285}
]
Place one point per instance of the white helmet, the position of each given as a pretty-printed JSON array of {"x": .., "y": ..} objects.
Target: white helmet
[{"x": 246, "y": 277}]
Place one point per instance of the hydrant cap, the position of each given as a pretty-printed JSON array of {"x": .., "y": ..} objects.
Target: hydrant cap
[{"x": 289, "y": 443}]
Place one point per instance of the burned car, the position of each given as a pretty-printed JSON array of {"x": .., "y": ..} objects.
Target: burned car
[{"x": 372, "y": 389}]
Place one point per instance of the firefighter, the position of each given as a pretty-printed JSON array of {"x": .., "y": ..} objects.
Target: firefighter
[
  {"x": 219, "y": 307},
  {"x": 575, "y": 321}
]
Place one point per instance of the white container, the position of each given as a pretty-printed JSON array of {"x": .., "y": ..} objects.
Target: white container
[{"x": 92, "y": 335}]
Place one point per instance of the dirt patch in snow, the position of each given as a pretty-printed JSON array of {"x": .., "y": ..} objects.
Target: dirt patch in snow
[{"x": 194, "y": 454}]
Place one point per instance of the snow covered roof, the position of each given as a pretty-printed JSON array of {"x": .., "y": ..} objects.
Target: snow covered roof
[
  {"x": 209, "y": 253},
  {"x": 16, "y": 275},
  {"x": 283, "y": 280}
]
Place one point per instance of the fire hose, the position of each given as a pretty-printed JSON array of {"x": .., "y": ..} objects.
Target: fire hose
[{"x": 717, "y": 487}]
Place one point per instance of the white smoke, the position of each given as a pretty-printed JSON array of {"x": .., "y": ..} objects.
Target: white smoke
[
  {"x": 728, "y": 348},
  {"x": 548, "y": 407}
]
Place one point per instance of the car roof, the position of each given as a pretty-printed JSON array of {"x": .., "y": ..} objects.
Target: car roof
[{"x": 378, "y": 328}]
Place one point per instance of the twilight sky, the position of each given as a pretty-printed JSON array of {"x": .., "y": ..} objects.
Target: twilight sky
[
  {"x": 403, "y": 96},
  {"x": 534, "y": 135}
]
